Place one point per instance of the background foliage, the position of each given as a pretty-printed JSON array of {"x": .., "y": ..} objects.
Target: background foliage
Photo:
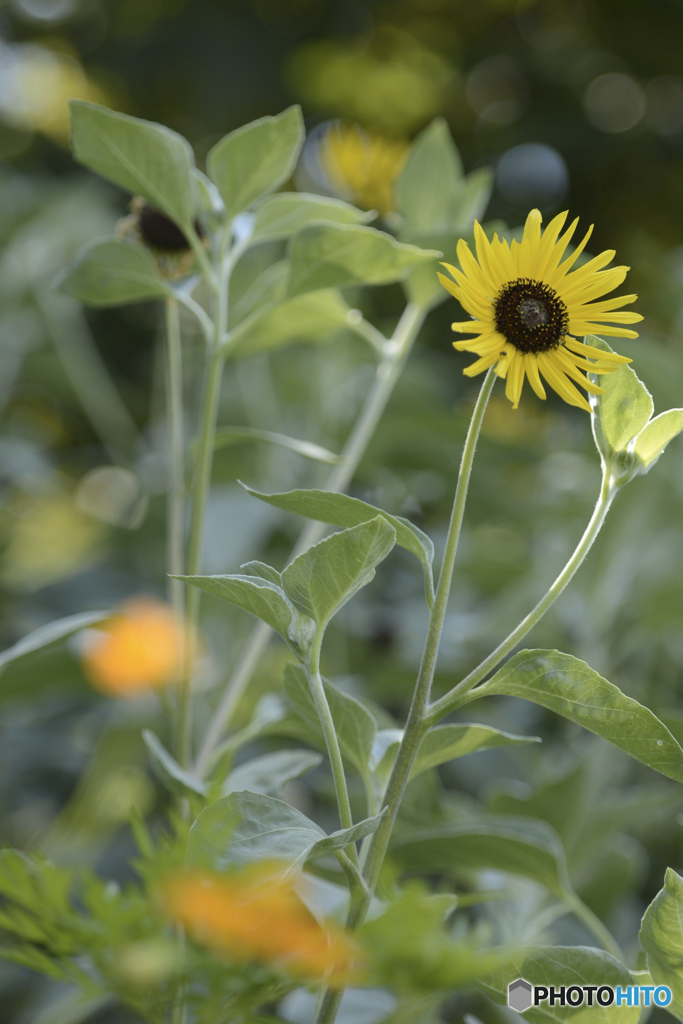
[{"x": 596, "y": 89}]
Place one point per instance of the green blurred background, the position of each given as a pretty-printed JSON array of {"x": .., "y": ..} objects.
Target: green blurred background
[{"x": 575, "y": 105}]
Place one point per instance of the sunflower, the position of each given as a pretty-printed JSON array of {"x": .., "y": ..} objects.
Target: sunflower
[
  {"x": 363, "y": 166},
  {"x": 527, "y": 307}
]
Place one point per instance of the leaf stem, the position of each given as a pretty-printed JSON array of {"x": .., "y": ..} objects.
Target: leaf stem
[
  {"x": 396, "y": 351},
  {"x": 175, "y": 541},
  {"x": 416, "y": 725},
  {"x": 594, "y": 925},
  {"x": 462, "y": 692}
]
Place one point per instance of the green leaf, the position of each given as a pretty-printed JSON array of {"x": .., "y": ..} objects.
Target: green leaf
[
  {"x": 269, "y": 773},
  {"x": 570, "y": 688},
  {"x": 327, "y": 575},
  {"x": 654, "y": 438},
  {"x": 517, "y": 846},
  {"x": 338, "y": 255},
  {"x": 284, "y": 214},
  {"x": 235, "y": 435},
  {"x": 263, "y": 571},
  {"x": 622, "y": 412},
  {"x": 661, "y": 936},
  {"x": 246, "y": 827},
  {"x": 428, "y": 190},
  {"x": 354, "y": 725},
  {"x": 256, "y": 159},
  {"x": 52, "y": 633},
  {"x": 265, "y": 600},
  {"x": 473, "y": 199},
  {"x": 168, "y": 771},
  {"x": 342, "y": 510},
  {"x": 446, "y": 742},
  {"x": 563, "y": 965},
  {"x": 312, "y": 317},
  {"x": 141, "y": 156},
  {"x": 113, "y": 272}
]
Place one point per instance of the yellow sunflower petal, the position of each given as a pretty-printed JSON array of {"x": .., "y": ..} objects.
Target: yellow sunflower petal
[
  {"x": 514, "y": 381},
  {"x": 560, "y": 383},
  {"x": 481, "y": 364},
  {"x": 531, "y": 368},
  {"x": 566, "y": 363},
  {"x": 612, "y": 332},
  {"x": 564, "y": 267},
  {"x": 606, "y": 305},
  {"x": 595, "y": 353}
]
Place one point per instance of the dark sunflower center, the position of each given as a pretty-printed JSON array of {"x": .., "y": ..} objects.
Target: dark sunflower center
[
  {"x": 531, "y": 315},
  {"x": 159, "y": 231}
]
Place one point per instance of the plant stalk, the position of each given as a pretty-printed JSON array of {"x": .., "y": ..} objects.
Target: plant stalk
[
  {"x": 451, "y": 700},
  {"x": 388, "y": 372},
  {"x": 416, "y": 725}
]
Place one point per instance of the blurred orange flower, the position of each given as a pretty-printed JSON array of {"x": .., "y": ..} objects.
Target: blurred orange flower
[
  {"x": 140, "y": 648},
  {"x": 254, "y": 914},
  {"x": 363, "y": 166}
]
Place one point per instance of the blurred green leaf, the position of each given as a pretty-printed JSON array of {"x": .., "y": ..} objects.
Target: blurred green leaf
[
  {"x": 338, "y": 255},
  {"x": 342, "y": 510},
  {"x": 113, "y": 272},
  {"x": 327, "y": 575},
  {"x": 654, "y": 438},
  {"x": 354, "y": 725},
  {"x": 312, "y": 317},
  {"x": 622, "y": 411},
  {"x": 168, "y": 771},
  {"x": 145, "y": 158},
  {"x": 564, "y": 965},
  {"x": 246, "y": 827},
  {"x": 263, "y": 599},
  {"x": 52, "y": 633},
  {"x": 235, "y": 435},
  {"x": 263, "y": 571},
  {"x": 517, "y": 846},
  {"x": 567, "y": 686},
  {"x": 446, "y": 742},
  {"x": 256, "y": 159},
  {"x": 269, "y": 773},
  {"x": 473, "y": 199},
  {"x": 428, "y": 190},
  {"x": 661, "y": 936},
  {"x": 282, "y": 215}
]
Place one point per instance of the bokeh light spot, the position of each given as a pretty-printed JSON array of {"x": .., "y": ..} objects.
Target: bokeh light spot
[
  {"x": 614, "y": 102},
  {"x": 532, "y": 174}
]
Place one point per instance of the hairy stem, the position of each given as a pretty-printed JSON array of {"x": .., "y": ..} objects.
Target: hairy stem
[
  {"x": 416, "y": 726},
  {"x": 451, "y": 700},
  {"x": 388, "y": 372}
]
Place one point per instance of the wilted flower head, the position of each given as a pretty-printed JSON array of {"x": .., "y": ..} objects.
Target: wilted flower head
[
  {"x": 526, "y": 307},
  {"x": 362, "y": 166},
  {"x": 168, "y": 244},
  {"x": 139, "y": 648},
  {"x": 255, "y": 915}
]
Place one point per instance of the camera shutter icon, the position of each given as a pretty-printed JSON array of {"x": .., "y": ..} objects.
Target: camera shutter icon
[{"x": 519, "y": 995}]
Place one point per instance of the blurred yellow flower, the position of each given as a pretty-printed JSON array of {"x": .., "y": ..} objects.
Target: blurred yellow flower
[
  {"x": 254, "y": 914},
  {"x": 363, "y": 166},
  {"x": 138, "y": 649},
  {"x": 526, "y": 305}
]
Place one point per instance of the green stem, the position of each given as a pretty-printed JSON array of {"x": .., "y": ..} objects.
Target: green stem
[
  {"x": 416, "y": 726},
  {"x": 331, "y": 742},
  {"x": 396, "y": 351},
  {"x": 594, "y": 925},
  {"x": 176, "y": 460},
  {"x": 459, "y": 694}
]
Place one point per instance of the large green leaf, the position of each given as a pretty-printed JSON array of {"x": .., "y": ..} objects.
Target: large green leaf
[
  {"x": 654, "y": 438},
  {"x": 112, "y": 272},
  {"x": 564, "y": 965},
  {"x": 50, "y": 634},
  {"x": 329, "y": 573},
  {"x": 256, "y": 159},
  {"x": 246, "y": 827},
  {"x": 569, "y": 687},
  {"x": 342, "y": 510},
  {"x": 268, "y": 773},
  {"x": 312, "y": 317},
  {"x": 661, "y": 936},
  {"x": 623, "y": 410},
  {"x": 284, "y": 214},
  {"x": 355, "y": 727},
  {"x": 144, "y": 157},
  {"x": 446, "y": 742},
  {"x": 518, "y": 846},
  {"x": 265, "y": 600},
  {"x": 338, "y": 255},
  {"x": 429, "y": 188}
]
